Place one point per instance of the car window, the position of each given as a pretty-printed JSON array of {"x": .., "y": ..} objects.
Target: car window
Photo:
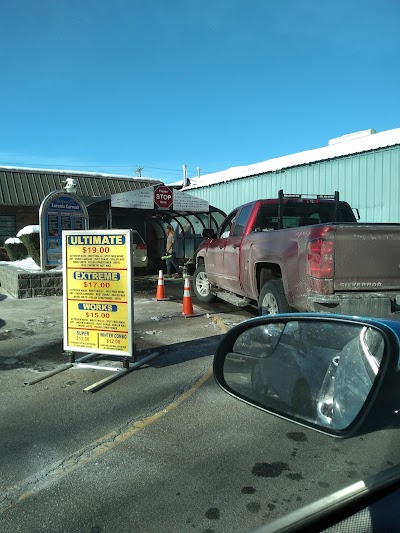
[
  {"x": 242, "y": 220},
  {"x": 136, "y": 238},
  {"x": 187, "y": 113},
  {"x": 225, "y": 229}
]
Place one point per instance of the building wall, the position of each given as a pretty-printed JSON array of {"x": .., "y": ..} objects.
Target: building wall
[
  {"x": 369, "y": 181},
  {"x": 24, "y": 216}
]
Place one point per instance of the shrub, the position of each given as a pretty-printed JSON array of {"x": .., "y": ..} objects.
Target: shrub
[
  {"x": 31, "y": 242},
  {"x": 3, "y": 254},
  {"x": 15, "y": 249}
]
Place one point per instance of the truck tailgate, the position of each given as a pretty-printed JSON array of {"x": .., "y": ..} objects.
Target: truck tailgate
[{"x": 367, "y": 257}]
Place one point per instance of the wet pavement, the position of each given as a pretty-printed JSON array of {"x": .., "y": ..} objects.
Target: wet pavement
[{"x": 31, "y": 330}]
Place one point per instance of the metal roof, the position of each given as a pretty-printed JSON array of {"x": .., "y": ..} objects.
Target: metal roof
[
  {"x": 343, "y": 146},
  {"x": 20, "y": 186}
]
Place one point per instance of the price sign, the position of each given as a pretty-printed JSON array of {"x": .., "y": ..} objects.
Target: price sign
[{"x": 98, "y": 291}]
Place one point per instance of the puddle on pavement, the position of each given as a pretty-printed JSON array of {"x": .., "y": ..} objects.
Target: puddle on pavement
[
  {"x": 15, "y": 334},
  {"x": 41, "y": 358}
]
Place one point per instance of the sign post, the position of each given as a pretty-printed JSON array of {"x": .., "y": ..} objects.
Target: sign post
[{"x": 98, "y": 302}]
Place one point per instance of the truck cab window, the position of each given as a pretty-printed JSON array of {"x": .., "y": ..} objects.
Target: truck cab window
[
  {"x": 242, "y": 220},
  {"x": 267, "y": 218},
  {"x": 225, "y": 230}
]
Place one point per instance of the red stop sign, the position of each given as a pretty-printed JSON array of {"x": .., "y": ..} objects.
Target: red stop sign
[{"x": 163, "y": 197}]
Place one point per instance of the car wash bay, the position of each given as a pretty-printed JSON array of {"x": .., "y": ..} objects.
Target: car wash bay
[{"x": 140, "y": 210}]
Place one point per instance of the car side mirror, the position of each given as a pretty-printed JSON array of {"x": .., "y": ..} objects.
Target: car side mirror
[
  {"x": 332, "y": 373},
  {"x": 208, "y": 233}
]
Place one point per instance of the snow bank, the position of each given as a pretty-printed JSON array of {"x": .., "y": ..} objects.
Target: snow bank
[
  {"x": 27, "y": 264},
  {"x": 28, "y": 230}
]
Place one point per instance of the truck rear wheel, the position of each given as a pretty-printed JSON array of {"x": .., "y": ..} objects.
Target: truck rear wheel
[
  {"x": 301, "y": 400},
  {"x": 272, "y": 299},
  {"x": 201, "y": 285},
  {"x": 260, "y": 388}
]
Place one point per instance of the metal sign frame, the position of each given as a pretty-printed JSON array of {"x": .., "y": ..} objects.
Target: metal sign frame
[{"x": 100, "y": 263}]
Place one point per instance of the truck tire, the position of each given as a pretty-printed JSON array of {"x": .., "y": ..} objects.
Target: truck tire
[
  {"x": 201, "y": 285},
  {"x": 258, "y": 385},
  {"x": 272, "y": 299},
  {"x": 302, "y": 403}
]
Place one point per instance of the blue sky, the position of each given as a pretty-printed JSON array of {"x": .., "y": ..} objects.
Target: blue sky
[{"x": 110, "y": 85}]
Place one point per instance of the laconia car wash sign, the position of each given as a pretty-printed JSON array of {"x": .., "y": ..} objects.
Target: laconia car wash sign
[
  {"x": 59, "y": 211},
  {"x": 98, "y": 288}
]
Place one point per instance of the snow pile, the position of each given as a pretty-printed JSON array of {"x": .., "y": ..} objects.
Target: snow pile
[
  {"x": 13, "y": 240},
  {"x": 28, "y": 230},
  {"x": 26, "y": 264}
]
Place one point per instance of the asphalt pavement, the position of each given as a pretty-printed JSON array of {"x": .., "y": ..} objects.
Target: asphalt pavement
[
  {"x": 31, "y": 330},
  {"x": 161, "y": 449}
]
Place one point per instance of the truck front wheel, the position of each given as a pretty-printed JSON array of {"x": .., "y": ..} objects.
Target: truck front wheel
[
  {"x": 201, "y": 285},
  {"x": 272, "y": 299}
]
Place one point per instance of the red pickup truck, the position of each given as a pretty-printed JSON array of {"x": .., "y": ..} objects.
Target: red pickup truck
[{"x": 301, "y": 254}]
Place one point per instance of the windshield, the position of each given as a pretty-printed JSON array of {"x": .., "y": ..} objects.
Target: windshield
[
  {"x": 143, "y": 114},
  {"x": 297, "y": 213}
]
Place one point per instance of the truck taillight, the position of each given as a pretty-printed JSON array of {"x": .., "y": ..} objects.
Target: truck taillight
[{"x": 320, "y": 258}]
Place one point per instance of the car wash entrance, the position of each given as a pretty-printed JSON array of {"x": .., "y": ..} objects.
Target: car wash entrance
[{"x": 150, "y": 210}]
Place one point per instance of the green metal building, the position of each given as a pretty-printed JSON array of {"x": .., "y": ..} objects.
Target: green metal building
[{"x": 364, "y": 167}]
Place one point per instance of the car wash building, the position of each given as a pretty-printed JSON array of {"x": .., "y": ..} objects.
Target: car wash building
[
  {"x": 156, "y": 207},
  {"x": 364, "y": 167},
  {"x": 23, "y": 190},
  {"x": 143, "y": 204}
]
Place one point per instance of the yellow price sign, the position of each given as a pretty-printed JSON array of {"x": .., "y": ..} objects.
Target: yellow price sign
[{"x": 98, "y": 291}]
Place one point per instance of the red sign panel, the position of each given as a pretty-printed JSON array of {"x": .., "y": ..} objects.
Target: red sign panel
[{"x": 163, "y": 197}]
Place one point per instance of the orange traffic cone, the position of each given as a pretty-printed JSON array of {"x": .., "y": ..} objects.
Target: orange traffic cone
[
  {"x": 187, "y": 307},
  {"x": 160, "y": 294}
]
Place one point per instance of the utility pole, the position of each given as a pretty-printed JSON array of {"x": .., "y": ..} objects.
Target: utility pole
[
  {"x": 185, "y": 180},
  {"x": 139, "y": 171}
]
